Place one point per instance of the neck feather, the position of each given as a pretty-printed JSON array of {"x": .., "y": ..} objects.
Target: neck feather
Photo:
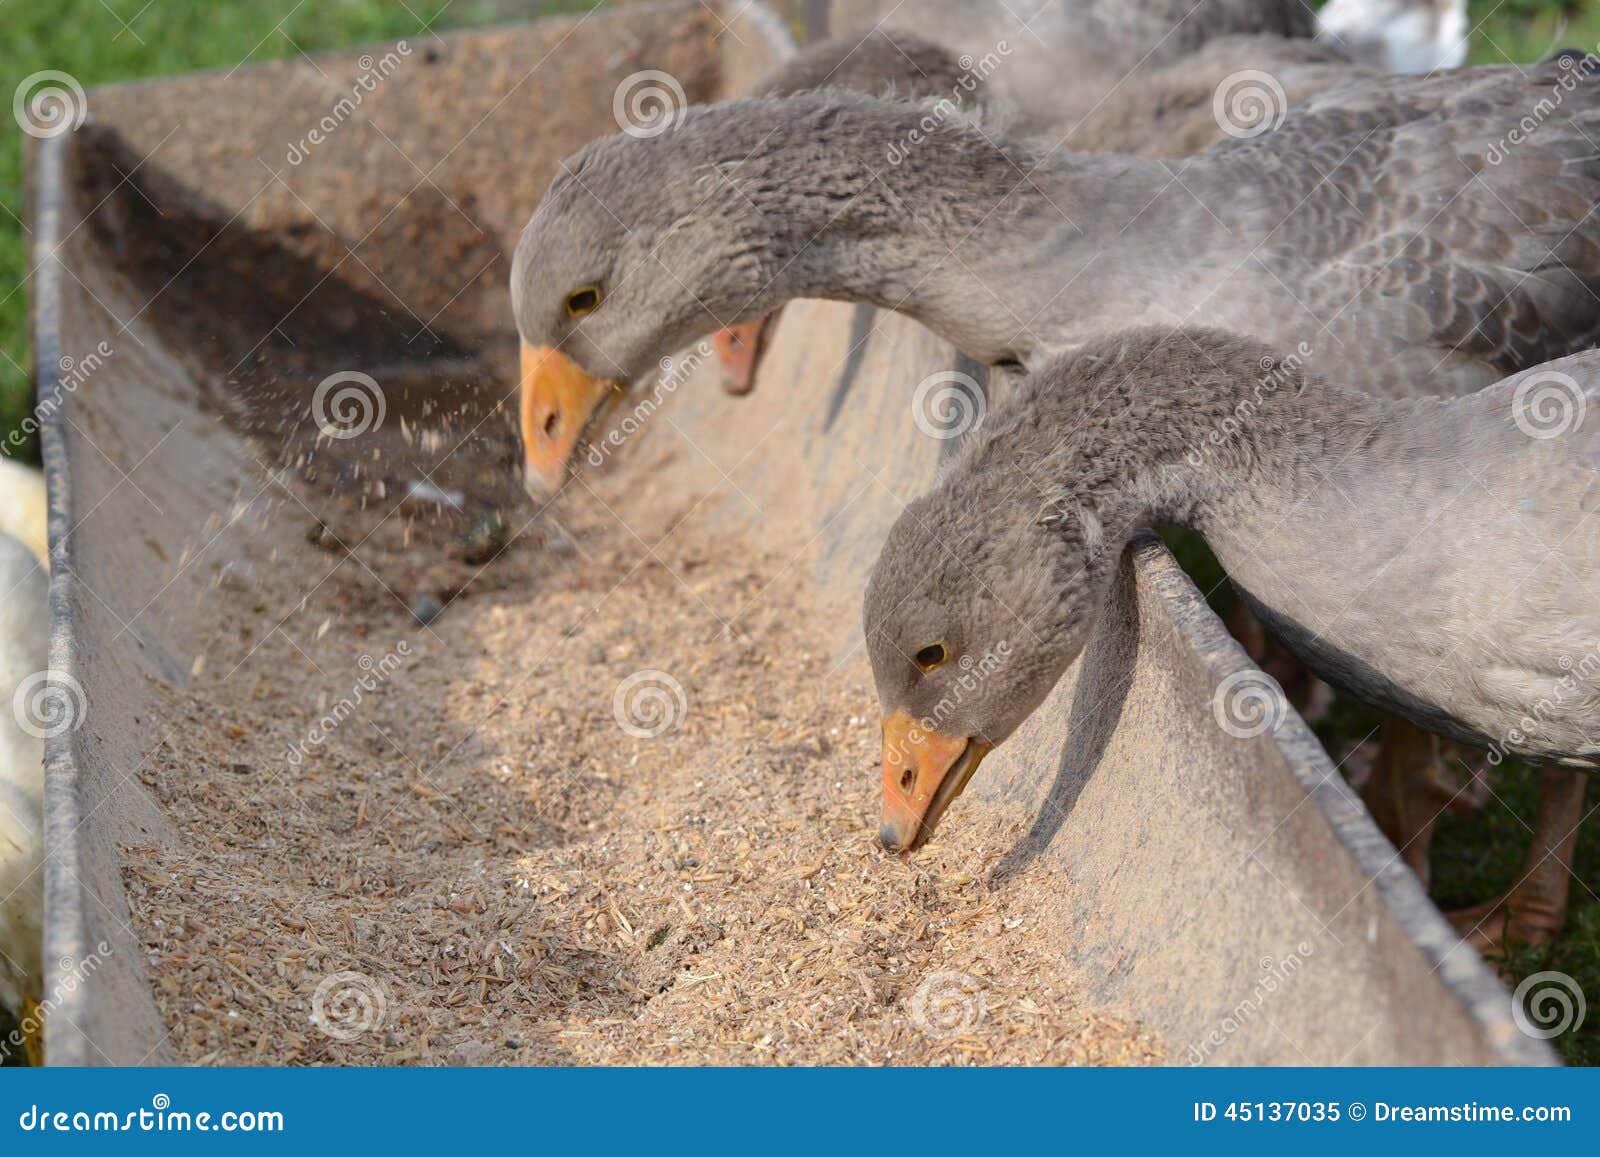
[
  {"x": 1162, "y": 426},
  {"x": 910, "y": 207}
]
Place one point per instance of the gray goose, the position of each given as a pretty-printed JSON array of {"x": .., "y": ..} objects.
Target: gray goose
[
  {"x": 1390, "y": 224},
  {"x": 1431, "y": 557},
  {"x": 1168, "y": 112},
  {"x": 1172, "y": 111},
  {"x": 1372, "y": 224}
]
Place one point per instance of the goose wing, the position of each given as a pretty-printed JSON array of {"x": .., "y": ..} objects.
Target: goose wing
[{"x": 1449, "y": 235}]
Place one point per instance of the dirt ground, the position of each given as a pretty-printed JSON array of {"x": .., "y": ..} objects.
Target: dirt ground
[{"x": 461, "y": 843}]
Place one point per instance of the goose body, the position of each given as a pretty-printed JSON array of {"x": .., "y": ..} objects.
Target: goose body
[
  {"x": 1437, "y": 558},
  {"x": 1167, "y": 108},
  {"x": 1158, "y": 108},
  {"x": 1391, "y": 225},
  {"x": 893, "y": 63},
  {"x": 1064, "y": 58},
  {"x": 1172, "y": 110},
  {"x": 1444, "y": 566},
  {"x": 1110, "y": 34}
]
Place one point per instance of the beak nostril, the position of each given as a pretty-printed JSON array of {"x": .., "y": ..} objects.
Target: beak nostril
[
  {"x": 550, "y": 424},
  {"x": 907, "y": 778}
]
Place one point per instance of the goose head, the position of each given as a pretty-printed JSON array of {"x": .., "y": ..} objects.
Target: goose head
[
  {"x": 975, "y": 608},
  {"x": 638, "y": 248},
  {"x": 643, "y": 244},
  {"x": 988, "y": 586}
]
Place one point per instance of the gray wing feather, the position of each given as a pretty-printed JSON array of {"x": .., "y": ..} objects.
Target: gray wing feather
[{"x": 1436, "y": 211}]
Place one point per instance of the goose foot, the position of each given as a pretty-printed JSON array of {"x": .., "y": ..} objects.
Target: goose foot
[
  {"x": 739, "y": 350},
  {"x": 1534, "y": 911},
  {"x": 1410, "y": 786},
  {"x": 1497, "y": 926},
  {"x": 32, "y": 1032}
]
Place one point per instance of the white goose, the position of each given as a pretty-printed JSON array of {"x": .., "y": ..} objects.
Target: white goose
[{"x": 23, "y": 614}]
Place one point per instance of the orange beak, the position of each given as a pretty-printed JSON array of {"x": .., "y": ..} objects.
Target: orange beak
[
  {"x": 739, "y": 350},
  {"x": 559, "y": 401},
  {"x": 923, "y": 773}
]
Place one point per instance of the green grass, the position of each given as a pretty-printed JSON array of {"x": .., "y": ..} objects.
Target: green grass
[
  {"x": 1474, "y": 860},
  {"x": 1478, "y": 858},
  {"x": 100, "y": 41},
  {"x": 1523, "y": 30}
]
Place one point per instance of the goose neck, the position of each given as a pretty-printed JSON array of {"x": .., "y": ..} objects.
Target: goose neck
[
  {"x": 926, "y": 214},
  {"x": 1181, "y": 427}
]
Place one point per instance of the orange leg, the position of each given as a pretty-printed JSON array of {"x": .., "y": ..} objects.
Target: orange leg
[
  {"x": 1534, "y": 911},
  {"x": 33, "y": 1036},
  {"x": 1408, "y": 789}
]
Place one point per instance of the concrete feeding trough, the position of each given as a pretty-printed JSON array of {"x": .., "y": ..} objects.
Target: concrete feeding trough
[{"x": 205, "y": 324}]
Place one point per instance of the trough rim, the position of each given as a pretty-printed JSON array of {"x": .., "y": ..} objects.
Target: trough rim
[
  {"x": 65, "y": 937},
  {"x": 1457, "y": 964}
]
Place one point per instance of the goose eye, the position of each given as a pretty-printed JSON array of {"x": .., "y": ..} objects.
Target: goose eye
[
  {"x": 582, "y": 301},
  {"x": 930, "y": 657}
]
